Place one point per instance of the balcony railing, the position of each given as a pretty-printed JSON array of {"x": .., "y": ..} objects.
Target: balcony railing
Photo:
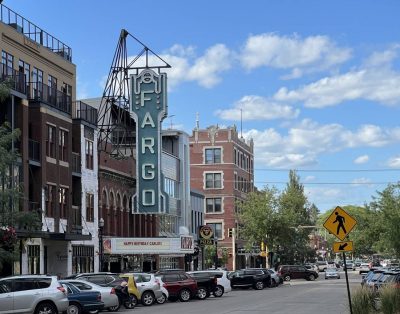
[
  {"x": 14, "y": 78},
  {"x": 76, "y": 162},
  {"x": 34, "y": 150},
  {"x": 83, "y": 111},
  {"x": 34, "y": 33},
  {"x": 51, "y": 96}
]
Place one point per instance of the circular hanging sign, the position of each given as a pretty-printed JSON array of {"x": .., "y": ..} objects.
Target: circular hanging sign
[{"x": 206, "y": 232}]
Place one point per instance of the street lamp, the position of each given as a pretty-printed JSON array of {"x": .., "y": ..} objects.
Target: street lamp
[{"x": 101, "y": 248}]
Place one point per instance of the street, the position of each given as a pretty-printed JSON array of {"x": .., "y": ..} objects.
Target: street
[{"x": 296, "y": 296}]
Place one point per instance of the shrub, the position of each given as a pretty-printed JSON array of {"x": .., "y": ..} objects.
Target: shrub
[
  {"x": 390, "y": 300},
  {"x": 362, "y": 301}
]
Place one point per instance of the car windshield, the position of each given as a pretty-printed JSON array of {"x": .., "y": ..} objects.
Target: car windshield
[{"x": 331, "y": 270}]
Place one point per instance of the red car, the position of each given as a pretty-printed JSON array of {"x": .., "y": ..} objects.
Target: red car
[{"x": 179, "y": 285}]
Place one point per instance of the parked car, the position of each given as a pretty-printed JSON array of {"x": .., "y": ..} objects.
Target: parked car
[
  {"x": 364, "y": 268},
  {"x": 206, "y": 284},
  {"x": 332, "y": 273},
  {"x": 108, "y": 295},
  {"x": 149, "y": 288},
  {"x": 132, "y": 287},
  {"x": 313, "y": 267},
  {"x": 289, "y": 272},
  {"x": 105, "y": 279},
  {"x": 223, "y": 282},
  {"x": 276, "y": 279},
  {"x": 32, "y": 294},
  {"x": 165, "y": 294},
  {"x": 322, "y": 265},
  {"x": 179, "y": 285},
  {"x": 82, "y": 301},
  {"x": 255, "y": 278},
  {"x": 372, "y": 278},
  {"x": 349, "y": 265},
  {"x": 386, "y": 278}
]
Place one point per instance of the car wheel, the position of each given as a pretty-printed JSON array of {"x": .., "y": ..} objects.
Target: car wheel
[
  {"x": 114, "y": 308},
  {"x": 273, "y": 283},
  {"x": 311, "y": 278},
  {"x": 202, "y": 293},
  {"x": 147, "y": 298},
  {"x": 46, "y": 308},
  {"x": 74, "y": 308},
  {"x": 162, "y": 299},
  {"x": 184, "y": 295},
  {"x": 131, "y": 303},
  {"x": 259, "y": 285},
  {"x": 219, "y": 291},
  {"x": 287, "y": 278}
]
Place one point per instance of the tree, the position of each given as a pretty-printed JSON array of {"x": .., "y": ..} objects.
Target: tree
[{"x": 386, "y": 206}]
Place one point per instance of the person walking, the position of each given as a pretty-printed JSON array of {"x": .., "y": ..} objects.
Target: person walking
[{"x": 340, "y": 220}]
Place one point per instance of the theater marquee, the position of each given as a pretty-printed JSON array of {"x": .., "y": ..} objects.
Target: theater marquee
[{"x": 149, "y": 108}]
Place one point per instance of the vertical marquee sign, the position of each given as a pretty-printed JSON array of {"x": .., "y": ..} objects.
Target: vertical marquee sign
[{"x": 149, "y": 107}]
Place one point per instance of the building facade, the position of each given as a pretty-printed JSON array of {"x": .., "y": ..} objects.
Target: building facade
[
  {"x": 43, "y": 87},
  {"x": 222, "y": 168}
]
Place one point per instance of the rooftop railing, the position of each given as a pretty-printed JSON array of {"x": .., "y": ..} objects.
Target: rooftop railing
[
  {"x": 83, "y": 111},
  {"x": 34, "y": 33}
]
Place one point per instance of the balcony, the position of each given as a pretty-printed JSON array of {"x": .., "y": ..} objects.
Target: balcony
[
  {"x": 38, "y": 91},
  {"x": 34, "y": 152},
  {"x": 83, "y": 111},
  {"x": 34, "y": 33},
  {"x": 76, "y": 163},
  {"x": 14, "y": 78}
]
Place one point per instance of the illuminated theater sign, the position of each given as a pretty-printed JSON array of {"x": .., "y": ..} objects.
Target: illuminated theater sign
[{"x": 149, "y": 107}]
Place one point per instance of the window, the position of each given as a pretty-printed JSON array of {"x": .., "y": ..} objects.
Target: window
[
  {"x": 89, "y": 207},
  {"x": 7, "y": 60},
  {"x": 33, "y": 259},
  {"x": 213, "y": 180},
  {"x": 37, "y": 78},
  {"x": 213, "y": 155},
  {"x": 62, "y": 200},
  {"x": 171, "y": 187},
  {"x": 83, "y": 262},
  {"x": 52, "y": 83},
  {"x": 51, "y": 141},
  {"x": 213, "y": 205},
  {"x": 217, "y": 227},
  {"x": 89, "y": 154},
  {"x": 26, "y": 69},
  {"x": 62, "y": 145},
  {"x": 50, "y": 200}
]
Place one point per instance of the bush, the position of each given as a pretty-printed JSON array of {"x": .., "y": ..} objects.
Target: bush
[
  {"x": 390, "y": 300},
  {"x": 362, "y": 301}
]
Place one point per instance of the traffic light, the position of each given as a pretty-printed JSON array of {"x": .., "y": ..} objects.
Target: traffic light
[{"x": 230, "y": 232}]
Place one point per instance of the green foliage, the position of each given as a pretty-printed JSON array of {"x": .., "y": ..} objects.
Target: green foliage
[
  {"x": 274, "y": 217},
  {"x": 389, "y": 300},
  {"x": 4, "y": 90},
  {"x": 362, "y": 301}
]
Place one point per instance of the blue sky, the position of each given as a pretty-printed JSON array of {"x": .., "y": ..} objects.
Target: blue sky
[{"x": 318, "y": 82}]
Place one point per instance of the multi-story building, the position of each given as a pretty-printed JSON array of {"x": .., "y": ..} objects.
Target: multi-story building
[
  {"x": 222, "y": 168},
  {"x": 43, "y": 77},
  {"x": 134, "y": 240}
]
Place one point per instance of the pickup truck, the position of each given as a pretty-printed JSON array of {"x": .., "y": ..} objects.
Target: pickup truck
[{"x": 206, "y": 284}]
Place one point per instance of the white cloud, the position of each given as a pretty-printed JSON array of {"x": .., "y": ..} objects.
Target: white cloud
[
  {"x": 362, "y": 181},
  {"x": 361, "y": 159},
  {"x": 257, "y": 108},
  {"x": 309, "y": 178},
  {"x": 307, "y": 140},
  {"x": 286, "y": 52},
  {"x": 394, "y": 162},
  {"x": 375, "y": 81}
]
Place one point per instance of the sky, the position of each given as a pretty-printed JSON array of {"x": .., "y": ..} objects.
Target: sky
[{"x": 317, "y": 82}]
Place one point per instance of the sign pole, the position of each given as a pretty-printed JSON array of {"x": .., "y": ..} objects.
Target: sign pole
[
  {"x": 347, "y": 282},
  {"x": 202, "y": 257},
  {"x": 233, "y": 249}
]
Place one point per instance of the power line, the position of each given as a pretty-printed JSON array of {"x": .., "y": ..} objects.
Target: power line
[{"x": 329, "y": 170}]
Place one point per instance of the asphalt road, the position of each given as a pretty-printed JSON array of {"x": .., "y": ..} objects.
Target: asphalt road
[{"x": 296, "y": 296}]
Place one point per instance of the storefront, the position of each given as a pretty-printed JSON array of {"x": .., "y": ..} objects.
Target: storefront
[{"x": 146, "y": 254}]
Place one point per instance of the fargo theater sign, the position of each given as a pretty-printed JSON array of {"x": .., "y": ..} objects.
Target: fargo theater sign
[{"x": 149, "y": 108}]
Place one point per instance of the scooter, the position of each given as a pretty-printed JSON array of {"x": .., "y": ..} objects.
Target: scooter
[{"x": 129, "y": 301}]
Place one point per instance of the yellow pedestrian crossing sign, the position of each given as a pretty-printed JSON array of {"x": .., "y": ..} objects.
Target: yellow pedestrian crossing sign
[
  {"x": 340, "y": 223},
  {"x": 343, "y": 246}
]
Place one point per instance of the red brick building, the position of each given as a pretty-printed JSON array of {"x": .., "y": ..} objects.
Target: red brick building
[{"x": 222, "y": 167}]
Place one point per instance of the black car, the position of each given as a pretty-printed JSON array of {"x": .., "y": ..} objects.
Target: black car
[
  {"x": 206, "y": 283},
  {"x": 289, "y": 272},
  {"x": 255, "y": 278}
]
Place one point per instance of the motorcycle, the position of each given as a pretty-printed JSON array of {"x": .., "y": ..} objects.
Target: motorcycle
[{"x": 129, "y": 301}]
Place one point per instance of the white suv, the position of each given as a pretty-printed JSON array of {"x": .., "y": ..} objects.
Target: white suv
[
  {"x": 223, "y": 282},
  {"x": 32, "y": 294}
]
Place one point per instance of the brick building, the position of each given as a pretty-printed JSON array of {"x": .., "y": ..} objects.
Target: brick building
[{"x": 222, "y": 168}]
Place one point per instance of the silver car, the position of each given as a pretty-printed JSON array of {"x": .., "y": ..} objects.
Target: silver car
[
  {"x": 32, "y": 294},
  {"x": 149, "y": 288},
  {"x": 108, "y": 295}
]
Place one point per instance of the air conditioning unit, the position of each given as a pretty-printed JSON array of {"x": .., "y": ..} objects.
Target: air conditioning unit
[{"x": 19, "y": 28}]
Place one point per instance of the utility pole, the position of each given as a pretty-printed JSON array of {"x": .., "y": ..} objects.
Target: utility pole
[{"x": 233, "y": 249}]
